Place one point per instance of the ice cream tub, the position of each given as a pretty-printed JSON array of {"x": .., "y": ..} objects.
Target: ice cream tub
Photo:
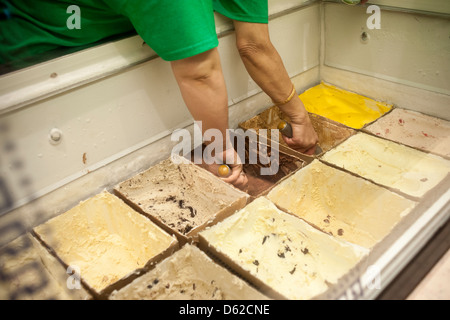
[
  {"x": 181, "y": 197},
  {"x": 105, "y": 242},
  {"x": 349, "y": 108},
  {"x": 189, "y": 274},
  {"x": 414, "y": 129},
  {"x": 30, "y": 272},
  {"x": 400, "y": 168},
  {"x": 280, "y": 254},
  {"x": 325, "y": 197},
  {"x": 329, "y": 132}
]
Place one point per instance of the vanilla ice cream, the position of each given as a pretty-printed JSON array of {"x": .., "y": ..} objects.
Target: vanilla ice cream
[
  {"x": 105, "y": 239},
  {"x": 414, "y": 129},
  {"x": 189, "y": 274},
  {"x": 343, "y": 205},
  {"x": 351, "y": 109},
  {"x": 390, "y": 164},
  {"x": 282, "y": 251}
]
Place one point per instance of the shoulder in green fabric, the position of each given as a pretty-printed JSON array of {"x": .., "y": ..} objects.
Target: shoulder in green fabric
[{"x": 37, "y": 26}]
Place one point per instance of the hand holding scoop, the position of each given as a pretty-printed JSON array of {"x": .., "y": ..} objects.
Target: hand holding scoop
[
  {"x": 286, "y": 130},
  {"x": 224, "y": 171}
]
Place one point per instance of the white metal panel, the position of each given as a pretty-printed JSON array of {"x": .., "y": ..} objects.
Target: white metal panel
[
  {"x": 436, "y": 6},
  {"x": 410, "y": 49},
  {"x": 439, "y": 6}
]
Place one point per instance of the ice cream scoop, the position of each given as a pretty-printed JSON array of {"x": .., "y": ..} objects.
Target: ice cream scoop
[
  {"x": 286, "y": 130},
  {"x": 224, "y": 171}
]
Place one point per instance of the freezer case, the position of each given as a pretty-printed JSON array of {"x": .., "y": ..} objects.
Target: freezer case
[{"x": 79, "y": 124}]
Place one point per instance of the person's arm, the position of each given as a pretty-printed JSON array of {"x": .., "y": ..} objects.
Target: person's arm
[
  {"x": 203, "y": 88},
  {"x": 265, "y": 66}
]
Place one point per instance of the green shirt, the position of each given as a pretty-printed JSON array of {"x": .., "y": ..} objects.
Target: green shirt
[{"x": 174, "y": 29}]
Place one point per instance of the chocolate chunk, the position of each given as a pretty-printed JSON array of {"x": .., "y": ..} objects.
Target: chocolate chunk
[
  {"x": 264, "y": 239},
  {"x": 171, "y": 198},
  {"x": 256, "y": 263},
  {"x": 305, "y": 251},
  {"x": 193, "y": 212},
  {"x": 281, "y": 255},
  {"x": 293, "y": 270},
  {"x": 187, "y": 229},
  {"x": 340, "y": 232}
]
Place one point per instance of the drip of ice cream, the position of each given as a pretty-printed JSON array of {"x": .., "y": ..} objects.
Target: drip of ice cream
[
  {"x": 414, "y": 129},
  {"x": 325, "y": 197},
  {"x": 390, "y": 164},
  {"x": 105, "y": 239},
  {"x": 282, "y": 251},
  {"x": 188, "y": 274},
  {"x": 351, "y": 109}
]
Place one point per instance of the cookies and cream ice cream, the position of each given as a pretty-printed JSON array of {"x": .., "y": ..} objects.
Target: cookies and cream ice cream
[
  {"x": 181, "y": 196},
  {"x": 30, "y": 272},
  {"x": 281, "y": 251},
  {"x": 189, "y": 274},
  {"x": 341, "y": 204},
  {"x": 414, "y": 129},
  {"x": 105, "y": 239},
  {"x": 351, "y": 109},
  {"x": 408, "y": 170}
]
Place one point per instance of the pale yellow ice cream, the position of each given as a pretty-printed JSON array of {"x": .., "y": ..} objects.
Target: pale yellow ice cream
[
  {"x": 189, "y": 274},
  {"x": 27, "y": 264},
  {"x": 343, "y": 205},
  {"x": 390, "y": 164},
  {"x": 282, "y": 251},
  {"x": 351, "y": 109},
  {"x": 105, "y": 239},
  {"x": 414, "y": 129}
]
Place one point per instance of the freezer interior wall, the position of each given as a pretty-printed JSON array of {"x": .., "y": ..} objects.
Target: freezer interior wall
[{"x": 118, "y": 122}]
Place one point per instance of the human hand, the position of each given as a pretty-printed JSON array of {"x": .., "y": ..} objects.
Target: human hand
[
  {"x": 232, "y": 172},
  {"x": 304, "y": 138}
]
